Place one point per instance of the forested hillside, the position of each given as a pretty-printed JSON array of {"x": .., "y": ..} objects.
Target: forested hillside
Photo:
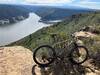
[
  {"x": 9, "y": 12},
  {"x": 65, "y": 28}
]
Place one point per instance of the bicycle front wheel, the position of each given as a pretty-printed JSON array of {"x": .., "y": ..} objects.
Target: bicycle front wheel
[
  {"x": 79, "y": 55},
  {"x": 44, "y": 55}
]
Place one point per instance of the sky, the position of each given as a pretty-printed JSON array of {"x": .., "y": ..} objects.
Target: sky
[{"x": 83, "y": 3}]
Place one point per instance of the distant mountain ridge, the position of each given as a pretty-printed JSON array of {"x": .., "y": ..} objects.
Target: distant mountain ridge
[
  {"x": 51, "y": 13},
  {"x": 47, "y": 13},
  {"x": 12, "y": 13}
]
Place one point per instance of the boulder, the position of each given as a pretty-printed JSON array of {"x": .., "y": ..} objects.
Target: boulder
[
  {"x": 15, "y": 60},
  {"x": 83, "y": 34}
]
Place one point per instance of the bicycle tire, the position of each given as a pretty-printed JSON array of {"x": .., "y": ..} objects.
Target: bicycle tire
[
  {"x": 72, "y": 51},
  {"x": 47, "y": 64}
]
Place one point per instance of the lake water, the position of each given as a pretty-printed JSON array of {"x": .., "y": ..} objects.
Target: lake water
[{"x": 14, "y": 32}]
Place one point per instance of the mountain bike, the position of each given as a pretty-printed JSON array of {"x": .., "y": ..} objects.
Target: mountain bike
[{"x": 45, "y": 55}]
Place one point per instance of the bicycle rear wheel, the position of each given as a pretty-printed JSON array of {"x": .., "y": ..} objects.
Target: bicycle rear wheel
[
  {"x": 79, "y": 55},
  {"x": 44, "y": 55}
]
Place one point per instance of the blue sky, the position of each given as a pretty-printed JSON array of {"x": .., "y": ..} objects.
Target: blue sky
[{"x": 83, "y": 3}]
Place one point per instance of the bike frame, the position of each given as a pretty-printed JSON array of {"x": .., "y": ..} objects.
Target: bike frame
[{"x": 60, "y": 57}]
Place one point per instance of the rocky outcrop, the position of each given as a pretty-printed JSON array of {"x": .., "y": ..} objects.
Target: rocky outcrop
[
  {"x": 18, "y": 60},
  {"x": 15, "y": 61},
  {"x": 88, "y": 31},
  {"x": 84, "y": 34}
]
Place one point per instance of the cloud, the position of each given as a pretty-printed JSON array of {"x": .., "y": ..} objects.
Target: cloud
[
  {"x": 8, "y": 1},
  {"x": 48, "y": 1},
  {"x": 36, "y": 1},
  {"x": 83, "y": 3},
  {"x": 88, "y": 4}
]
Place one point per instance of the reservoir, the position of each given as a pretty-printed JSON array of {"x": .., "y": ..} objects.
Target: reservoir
[{"x": 17, "y": 31}]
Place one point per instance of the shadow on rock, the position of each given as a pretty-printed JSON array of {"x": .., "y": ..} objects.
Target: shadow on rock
[
  {"x": 61, "y": 68},
  {"x": 96, "y": 60}
]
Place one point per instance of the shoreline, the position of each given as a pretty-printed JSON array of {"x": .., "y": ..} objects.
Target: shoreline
[{"x": 15, "y": 32}]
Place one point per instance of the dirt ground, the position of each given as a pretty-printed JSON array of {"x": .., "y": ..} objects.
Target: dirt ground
[{"x": 18, "y": 60}]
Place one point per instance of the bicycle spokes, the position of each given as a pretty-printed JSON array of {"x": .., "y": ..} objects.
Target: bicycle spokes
[{"x": 44, "y": 55}]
